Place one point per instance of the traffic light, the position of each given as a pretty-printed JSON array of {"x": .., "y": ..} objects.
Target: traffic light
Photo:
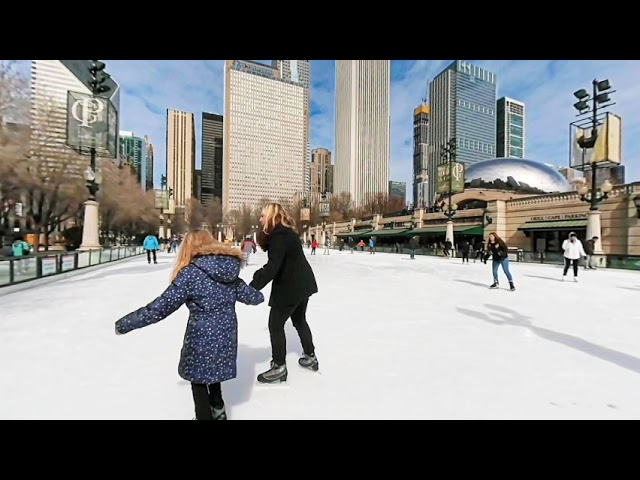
[
  {"x": 98, "y": 77},
  {"x": 170, "y": 192}
]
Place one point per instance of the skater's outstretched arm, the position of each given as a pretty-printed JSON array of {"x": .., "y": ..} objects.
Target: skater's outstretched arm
[
  {"x": 160, "y": 308},
  {"x": 248, "y": 295},
  {"x": 276, "y": 253}
]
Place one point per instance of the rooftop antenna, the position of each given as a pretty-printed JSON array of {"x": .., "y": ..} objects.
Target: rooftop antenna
[{"x": 425, "y": 99}]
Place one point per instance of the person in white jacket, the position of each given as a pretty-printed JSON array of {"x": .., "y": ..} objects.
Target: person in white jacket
[{"x": 573, "y": 251}]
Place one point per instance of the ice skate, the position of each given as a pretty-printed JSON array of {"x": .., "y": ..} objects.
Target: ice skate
[
  {"x": 219, "y": 414},
  {"x": 309, "y": 362},
  {"x": 275, "y": 374}
]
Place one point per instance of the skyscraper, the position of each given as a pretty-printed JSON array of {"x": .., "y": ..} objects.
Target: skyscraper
[
  {"x": 363, "y": 91},
  {"x": 299, "y": 71},
  {"x": 181, "y": 155},
  {"x": 321, "y": 171},
  {"x": 510, "y": 128},
  {"x": 463, "y": 105},
  {"x": 212, "y": 155},
  {"x": 133, "y": 153},
  {"x": 150, "y": 169},
  {"x": 420, "y": 154},
  {"x": 264, "y": 139},
  {"x": 398, "y": 190}
]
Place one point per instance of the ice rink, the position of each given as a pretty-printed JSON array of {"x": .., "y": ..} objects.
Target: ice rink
[{"x": 396, "y": 339}]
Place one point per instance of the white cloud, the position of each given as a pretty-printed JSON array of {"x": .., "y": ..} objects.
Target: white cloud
[{"x": 546, "y": 86}]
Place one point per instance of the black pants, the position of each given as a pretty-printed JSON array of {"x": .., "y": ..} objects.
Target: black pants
[
  {"x": 567, "y": 263},
  {"x": 149, "y": 252},
  {"x": 465, "y": 256},
  {"x": 278, "y": 318},
  {"x": 205, "y": 397}
]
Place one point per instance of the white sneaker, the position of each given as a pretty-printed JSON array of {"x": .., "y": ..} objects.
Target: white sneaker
[{"x": 575, "y": 279}]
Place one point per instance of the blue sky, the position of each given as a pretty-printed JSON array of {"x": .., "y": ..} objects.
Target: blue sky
[{"x": 149, "y": 87}]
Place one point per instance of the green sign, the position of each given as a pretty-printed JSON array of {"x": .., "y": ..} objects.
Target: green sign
[{"x": 457, "y": 179}]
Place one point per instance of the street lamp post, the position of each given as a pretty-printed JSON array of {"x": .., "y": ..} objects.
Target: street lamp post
[
  {"x": 448, "y": 154},
  {"x": 90, "y": 234},
  {"x": 599, "y": 99}
]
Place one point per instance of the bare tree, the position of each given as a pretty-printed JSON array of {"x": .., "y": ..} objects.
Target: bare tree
[
  {"x": 342, "y": 208},
  {"x": 49, "y": 176},
  {"x": 179, "y": 223},
  {"x": 14, "y": 93},
  {"x": 125, "y": 208},
  {"x": 14, "y": 131},
  {"x": 243, "y": 219},
  {"x": 381, "y": 203},
  {"x": 213, "y": 212},
  {"x": 195, "y": 214}
]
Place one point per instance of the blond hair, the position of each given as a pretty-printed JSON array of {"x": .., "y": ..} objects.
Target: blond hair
[
  {"x": 274, "y": 214},
  {"x": 201, "y": 242}
]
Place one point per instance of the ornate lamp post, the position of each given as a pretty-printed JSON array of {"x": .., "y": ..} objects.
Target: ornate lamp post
[
  {"x": 448, "y": 154},
  {"x": 599, "y": 99}
]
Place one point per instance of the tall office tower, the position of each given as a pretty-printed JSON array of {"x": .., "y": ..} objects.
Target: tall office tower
[
  {"x": 133, "y": 153},
  {"x": 150, "y": 169},
  {"x": 181, "y": 155},
  {"x": 299, "y": 71},
  {"x": 50, "y": 82},
  {"x": 321, "y": 171},
  {"x": 197, "y": 184},
  {"x": 212, "y": 148},
  {"x": 264, "y": 143},
  {"x": 463, "y": 105},
  {"x": 420, "y": 155},
  {"x": 398, "y": 190},
  {"x": 363, "y": 91},
  {"x": 510, "y": 128},
  {"x": 307, "y": 178}
]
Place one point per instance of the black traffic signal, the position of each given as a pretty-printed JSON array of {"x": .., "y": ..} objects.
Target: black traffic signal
[{"x": 98, "y": 77}]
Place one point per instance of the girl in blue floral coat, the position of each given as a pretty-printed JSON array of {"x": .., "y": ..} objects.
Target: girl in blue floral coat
[{"x": 205, "y": 278}]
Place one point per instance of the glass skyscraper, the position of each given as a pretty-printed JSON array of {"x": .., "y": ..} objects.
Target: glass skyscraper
[
  {"x": 510, "y": 134},
  {"x": 463, "y": 105}
]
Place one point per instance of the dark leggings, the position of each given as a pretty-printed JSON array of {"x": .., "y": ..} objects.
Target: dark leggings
[
  {"x": 205, "y": 397},
  {"x": 278, "y": 318},
  {"x": 568, "y": 262}
]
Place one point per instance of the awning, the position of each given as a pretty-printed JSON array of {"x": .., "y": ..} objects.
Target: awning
[
  {"x": 554, "y": 225},
  {"x": 360, "y": 233},
  {"x": 389, "y": 232},
  {"x": 437, "y": 229}
]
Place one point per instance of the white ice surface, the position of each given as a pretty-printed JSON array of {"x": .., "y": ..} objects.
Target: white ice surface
[{"x": 396, "y": 339}]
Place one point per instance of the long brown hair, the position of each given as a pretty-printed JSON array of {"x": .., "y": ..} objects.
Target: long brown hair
[
  {"x": 273, "y": 214},
  {"x": 499, "y": 241},
  {"x": 201, "y": 242}
]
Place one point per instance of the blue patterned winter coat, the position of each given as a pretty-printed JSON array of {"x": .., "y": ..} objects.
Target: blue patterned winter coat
[{"x": 210, "y": 287}]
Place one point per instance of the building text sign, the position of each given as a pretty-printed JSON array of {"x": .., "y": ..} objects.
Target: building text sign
[{"x": 566, "y": 216}]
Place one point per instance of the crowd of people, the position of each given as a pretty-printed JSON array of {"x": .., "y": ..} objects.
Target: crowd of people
[{"x": 206, "y": 279}]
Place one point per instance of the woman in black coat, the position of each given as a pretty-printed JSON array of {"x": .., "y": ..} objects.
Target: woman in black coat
[{"x": 293, "y": 284}]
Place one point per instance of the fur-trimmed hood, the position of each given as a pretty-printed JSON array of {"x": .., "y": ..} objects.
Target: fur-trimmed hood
[{"x": 221, "y": 262}]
